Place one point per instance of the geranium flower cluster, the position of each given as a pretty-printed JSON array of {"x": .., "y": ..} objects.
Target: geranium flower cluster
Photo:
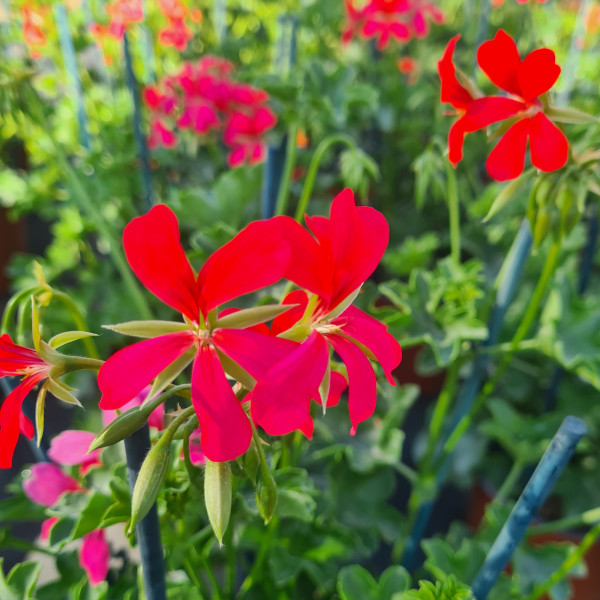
[
  {"x": 386, "y": 19},
  {"x": 286, "y": 366},
  {"x": 203, "y": 98},
  {"x": 526, "y": 83}
]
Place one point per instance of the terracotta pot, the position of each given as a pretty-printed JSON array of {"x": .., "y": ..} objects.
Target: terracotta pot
[
  {"x": 12, "y": 239},
  {"x": 585, "y": 588}
]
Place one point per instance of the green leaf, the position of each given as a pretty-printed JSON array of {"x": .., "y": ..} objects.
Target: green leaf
[
  {"x": 356, "y": 583},
  {"x": 393, "y": 581},
  {"x": 148, "y": 329},
  {"x": 67, "y": 337},
  {"x": 20, "y": 582},
  {"x": 506, "y": 196},
  {"x": 92, "y": 515}
]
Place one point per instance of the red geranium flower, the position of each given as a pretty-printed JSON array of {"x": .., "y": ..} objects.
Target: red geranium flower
[
  {"x": 17, "y": 361},
  {"x": 33, "y": 33},
  {"x": 253, "y": 259},
  {"x": 332, "y": 265},
  {"x": 526, "y": 81}
]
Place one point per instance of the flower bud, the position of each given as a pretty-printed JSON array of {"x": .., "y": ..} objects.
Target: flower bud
[
  {"x": 251, "y": 462},
  {"x": 149, "y": 479},
  {"x": 541, "y": 226},
  {"x": 217, "y": 496},
  {"x": 123, "y": 426},
  {"x": 266, "y": 495}
]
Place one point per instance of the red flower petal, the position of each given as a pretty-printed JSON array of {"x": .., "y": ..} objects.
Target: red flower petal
[
  {"x": 225, "y": 429},
  {"x": 452, "y": 92},
  {"x": 310, "y": 265},
  {"x": 480, "y": 113},
  {"x": 155, "y": 254},
  {"x": 499, "y": 59},
  {"x": 125, "y": 374},
  {"x": 374, "y": 335},
  {"x": 359, "y": 237},
  {"x": 291, "y": 317},
  {"x": 280, "y": 401},
  {"x": 507, "y": 159},
  {"x": 10, "y": 419},
  {"x": 337, "y": 387},
  {"x": 548, "y": 145},
  {"x": 538, "y": 73},
  {"x": 255, "y": 258},
  {"x": 362, "y": 384},
  {"x": 254, "y": 352}
]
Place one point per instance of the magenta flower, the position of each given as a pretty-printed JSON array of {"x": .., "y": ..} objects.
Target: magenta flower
[
  {"x": 244, "y": 134},
  {"x": 48, "y": 483},
  {"x": 94, "y": 556}
]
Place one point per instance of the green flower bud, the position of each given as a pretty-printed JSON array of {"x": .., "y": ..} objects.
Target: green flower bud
[
  {"x": 217, "y": 496},
  {"x": 541, "y": 226},
  {"x": 123, "y": 426},
  {"x": 266, "y": 495},
  {"x": 149, "y": 479},
  {"x": 251, "y": 462}
]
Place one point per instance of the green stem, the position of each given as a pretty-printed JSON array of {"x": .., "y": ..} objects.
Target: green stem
[
  {"x": 79, "y": 321},
  {"x": 105, "y": 230},
  {"x": 571, "y": 561},
  {"x": 523, "y": 329},
  {"x": 509, "y": 483},
  {"x": 313, "y": 168},
  {"x": 230, "y": 566},
  {"x": 589, "y": 517},
  {"x": 256, "y": 571},
  {"x": 288, "y": 170},
  {"x": 13, "y": 303},
  {"x": 454, "y": 213},
  {"x": 439, "y": 415}
]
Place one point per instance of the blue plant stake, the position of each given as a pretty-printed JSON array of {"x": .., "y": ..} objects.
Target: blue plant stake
[
  {"x": 506, "y": 290},
  {"x": 276, "y": 154},
  {"x": 543, "y": 479},
  {"x": 68, "y": 53},
  {"x": 137, "y": 446},
  {"x": 137, "y": 124}
]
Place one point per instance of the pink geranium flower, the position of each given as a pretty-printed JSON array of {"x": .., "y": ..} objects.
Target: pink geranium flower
[
  {"x": 256, "y": 257},
  {"x": 244, "y": 135},
  {"x": 70, "y": 448},
  {"x": 94, "y": 556},
  {"x": 332, "y": 264},
  {"x": 48, "y": 483}
]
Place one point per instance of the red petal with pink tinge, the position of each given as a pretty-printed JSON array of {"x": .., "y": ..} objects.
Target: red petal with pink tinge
[
  {"x": 225, "y": 431},
  {"x": 373, "y": 334},
  {"x": 125, "y": 374},
  {"x": 255, "y": 258},
  {"x": 280, "y": 401},
  {"x": 452, "y": 92},
  {"x": 362, "y": 384},
  {"x": 156, "y": 256}
]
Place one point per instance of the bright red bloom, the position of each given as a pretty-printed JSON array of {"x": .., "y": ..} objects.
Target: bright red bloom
[
  {"x": 17, "y": 361},
  {"x": 525, "y": 80},
  {"x": 386, "y": 19},
  {"x": 33, "y": 33},
  {"x": 255, "y": 258},
  {"x": 333, "y": 265},
  {"x": 244, "y": 135}
]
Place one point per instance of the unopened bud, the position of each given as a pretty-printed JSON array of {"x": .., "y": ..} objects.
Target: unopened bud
[
  {"x": 251, "y": 462},
  {"x": 541, "y": 226},
  {"x": 149, "y": 479},
  {"x": 123, "y": 426},
  {"x": 217, "y": 496},
  {"x": 266, "y": 495}
]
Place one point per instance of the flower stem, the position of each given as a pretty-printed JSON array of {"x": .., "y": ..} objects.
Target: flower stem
[
  {"x": 509, "y": 483},
  {"x": 288, "y": 170},
  {"x": 519, "y": 336},
  {"x": 589, "y": 517},
  {"x": 572, "y": 560},
  {"x": 454, "y": 213},
  {"x": 313, "y": 168}
]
